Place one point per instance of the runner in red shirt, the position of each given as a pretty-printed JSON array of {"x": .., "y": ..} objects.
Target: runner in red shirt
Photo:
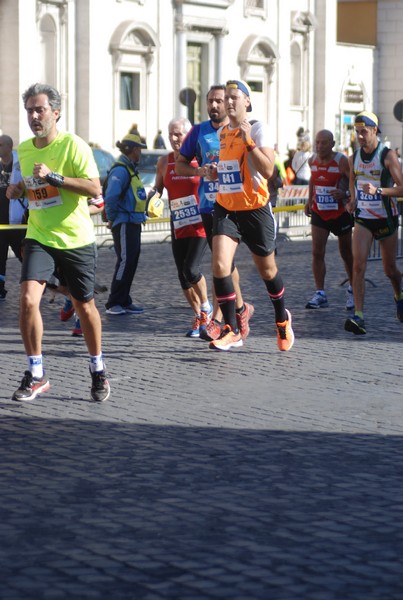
[
  {"x": 328, "y": 193},
  {"x": 188, "y": 237}
]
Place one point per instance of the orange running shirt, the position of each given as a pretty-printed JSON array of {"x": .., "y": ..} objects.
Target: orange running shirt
[{"x": 241, "y": 186}]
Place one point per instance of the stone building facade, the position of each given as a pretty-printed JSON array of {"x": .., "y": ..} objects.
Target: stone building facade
[{"x": 118, "y": 62}]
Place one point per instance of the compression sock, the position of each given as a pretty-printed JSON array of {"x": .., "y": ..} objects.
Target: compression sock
[
  {"x": 226, "y": 297},
  {"x": 275, "y": 289}
]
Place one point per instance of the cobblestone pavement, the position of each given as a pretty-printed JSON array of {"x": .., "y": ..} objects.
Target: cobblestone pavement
[{"x": 245, "y": 475}]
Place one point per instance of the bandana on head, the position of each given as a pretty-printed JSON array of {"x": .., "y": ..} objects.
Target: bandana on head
[
  {"x": 240, "y": 85},
  {"x": 367, "y": 119}
]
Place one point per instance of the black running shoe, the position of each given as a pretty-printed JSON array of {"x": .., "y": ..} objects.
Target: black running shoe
[
  {"x": 399, "y": 310},
  {"x": 31, "y": 387},
  {"x": 100, "y": 390},
  {"x": 356, "y": 325}
]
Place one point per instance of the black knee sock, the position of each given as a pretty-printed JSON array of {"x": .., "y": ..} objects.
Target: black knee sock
[
  {"x": 226, "y": 297},
  {"x": 275, "y": 289}
]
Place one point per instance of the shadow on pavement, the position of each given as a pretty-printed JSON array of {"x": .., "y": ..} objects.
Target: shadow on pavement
[{"x": 102, "y": 510}]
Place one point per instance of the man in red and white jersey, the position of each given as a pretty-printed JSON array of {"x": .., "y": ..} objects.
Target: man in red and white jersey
[{"x": 328, "y": 194}]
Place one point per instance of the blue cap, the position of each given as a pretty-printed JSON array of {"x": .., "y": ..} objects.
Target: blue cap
[
  {"x": 240, "y": 85},
  {"x": 368, "y": 119}
]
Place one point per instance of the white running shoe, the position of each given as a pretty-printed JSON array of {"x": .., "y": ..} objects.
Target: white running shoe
[
  {"x": 349, "y": 298},
  {"x": 318, "y": 300},
  {"x": 116, "y": 310}
]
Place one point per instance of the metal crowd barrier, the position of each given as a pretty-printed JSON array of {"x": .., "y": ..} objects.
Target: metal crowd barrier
[{"x": 289, "y": 211}]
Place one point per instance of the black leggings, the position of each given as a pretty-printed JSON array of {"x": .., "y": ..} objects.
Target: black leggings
[
  {"x": 10, "y": 238},
  {"x": 188, "y": 254}
]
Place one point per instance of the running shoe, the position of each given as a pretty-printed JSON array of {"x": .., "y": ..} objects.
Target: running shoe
[
  {"x": 350, "y": 299},
  {"x": 356, "y": 325},
  {"x": 31, "y": 387},
  {"x": 194, "y": 332},
  {"x": 67, "y": 311},
  {"x": 116, "y": 310},
  {"x": 100, "y": 389},
  {"x": 77, "y": 331},
  {"x": 242, "y": 319},
  {"x": 228, "y": 339},
  {"x": 212, "y": 331},
  {"x": 99, "y": 288},
  {"x": 205, "y": 317},
  {"x": 285, "y": 334},
  {"x": 132, "y": 309},
  {"x": 399, "y": 310},
  {"x": 318, "y": 300}
]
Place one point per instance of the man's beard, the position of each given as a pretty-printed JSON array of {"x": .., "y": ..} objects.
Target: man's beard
[{"x": 216, "y": 118}]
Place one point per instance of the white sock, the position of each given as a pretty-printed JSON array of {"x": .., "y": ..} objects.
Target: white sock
[
  {"x": 35, "y": 365},
  {"x": 205, "y": 307},
  {"x": 96, "y": 363}
]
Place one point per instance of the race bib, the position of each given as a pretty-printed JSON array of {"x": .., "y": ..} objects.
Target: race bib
[
  {"x": 369, "y": 201},
  {"x": 41, "y": 194},
  {"x": 324, "y": 198},
  {"x": 229, "y": 177},
  {"x": 210, "y": 189},
  {"x": 185, "y": 212}
]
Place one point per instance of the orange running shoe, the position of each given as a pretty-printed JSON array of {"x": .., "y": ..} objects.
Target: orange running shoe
[
  {"x": 285, "y": 334},
  {"x": 243, "y": 320},
  {"x": 194, "y": 332},
  {"x": 67, "y": 311},
  {"x": 204, "y": 319},
  {"x": 212, "y": 331},
  {"x": 228, "y": 339},
  {"x": 77, "y": 331}
]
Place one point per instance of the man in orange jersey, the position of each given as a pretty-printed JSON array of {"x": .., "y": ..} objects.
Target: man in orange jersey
[
  {"x": 243, "y": 212},
  {"x": 203, "y": 144}
]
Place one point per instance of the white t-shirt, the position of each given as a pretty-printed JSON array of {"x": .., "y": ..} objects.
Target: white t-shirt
[
  {"x": 300, "y": 165},
  {"x": 17, "y": 206}
]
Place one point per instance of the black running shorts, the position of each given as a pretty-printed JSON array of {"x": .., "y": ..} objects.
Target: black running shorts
[
  {"x": 207, "y": 219},
  {"x": 256, "y": 228},
  {"x": 338, "y": 227},
  {"x": 380, "y": 228},
  {"x": 77, "y": 267}
]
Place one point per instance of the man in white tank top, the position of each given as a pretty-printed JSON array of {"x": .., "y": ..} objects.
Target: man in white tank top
[{"x": 376, "y": 181}]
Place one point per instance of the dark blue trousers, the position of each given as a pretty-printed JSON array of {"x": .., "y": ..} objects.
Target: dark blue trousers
[{"x": 127, "y": 241}]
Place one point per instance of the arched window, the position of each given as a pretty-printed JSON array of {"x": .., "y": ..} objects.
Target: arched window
[
  {"x": 48, "y": 50},
  {"x": 258, "y": 57},
  {"x": 295, "y": 71},
  {"x": 133, "y": 47}
]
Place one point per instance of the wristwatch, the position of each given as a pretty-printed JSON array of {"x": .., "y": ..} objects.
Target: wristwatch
[{"x": 379, "y": 191}]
